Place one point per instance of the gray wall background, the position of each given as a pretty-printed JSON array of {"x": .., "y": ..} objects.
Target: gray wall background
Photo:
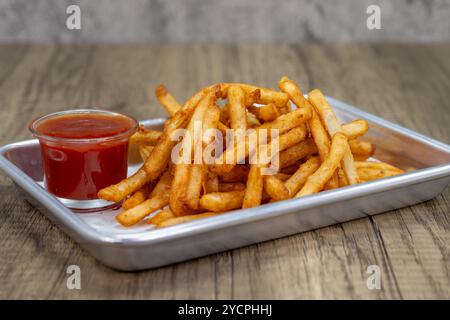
[{"x": 232, "y": 21}]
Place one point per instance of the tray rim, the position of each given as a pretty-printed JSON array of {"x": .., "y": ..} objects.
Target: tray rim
[{"x": 86, "y": 233}]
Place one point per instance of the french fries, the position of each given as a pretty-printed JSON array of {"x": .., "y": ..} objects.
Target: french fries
[
  {"x": 222, "y": 201},
  {"x": 253, "y": 193},
  {"x": 312, "y": 150},
  {"x": 145, "y": 136}
]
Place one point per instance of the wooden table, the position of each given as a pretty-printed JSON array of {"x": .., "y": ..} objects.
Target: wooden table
[{"x": 407, "y": 84}]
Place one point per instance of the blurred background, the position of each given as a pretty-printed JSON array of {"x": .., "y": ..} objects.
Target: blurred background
[{"x": 220, "y": 21}]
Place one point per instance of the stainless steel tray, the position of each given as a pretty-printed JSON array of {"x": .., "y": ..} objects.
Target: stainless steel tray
[{"x": 142, "y": 247}]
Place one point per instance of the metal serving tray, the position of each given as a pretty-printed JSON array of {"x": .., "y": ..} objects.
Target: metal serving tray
[{"x": 141, "y": 247}]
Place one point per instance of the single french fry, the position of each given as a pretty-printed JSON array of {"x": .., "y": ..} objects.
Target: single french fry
[
  {"x": 253, "y": 192},
  {"x": 377, "y": 165},
  {"x": 210, "y": 122},
  {"x": 236, "y": 108},
  {"x": 355, "y": 129},
  {"x": 318, "y": 179},
  {"x": 222, "y": 201},
  {"x": 293, "y": 91},
  {"x": 298, "y": 179},
  {"x": 161, "y": 216},
  {"x": 184, "y": 219},
  {"x": 145, "y": 151},
  {"x": 163, "y": 185},
  {"x": 136, "y": 198},
  {"x": 145, "y": 136},
  {"x": 194, "y": 187},
  {"x": 289, "y": 120},
  {"x": 361, "y": 150},
  {"x": 373, "y": 173},
  {"x": 134, "y": 215},
  {"x": 275, "y": 188},
  {"x": 269, "y": 112},
  {"x": 230, "y": 186},
  {"x": 329, "y": 119},
  {"x": 167, "y": 100},
  {"x": 299, "y": 151}
]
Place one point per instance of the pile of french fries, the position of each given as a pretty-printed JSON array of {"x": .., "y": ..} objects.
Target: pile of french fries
[{"x": 316, "y": 153}]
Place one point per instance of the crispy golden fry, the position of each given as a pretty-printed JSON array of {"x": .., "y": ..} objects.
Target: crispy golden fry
[
  {"x": 269, "y": 112},
  {"x": 361, "y": 150},
  {"x": 230, "y": 186},
  {"x": 253, "y": 193},
  {"x": 161, "y": 216},
  {"x": 289, "y": 120},
  {"x": 179, "y": 220},
  {"x": 145, "y": 151},
  {"x": 236, "y": 108},
  {"x": 210, "y": 122},
  {"x": 377, "y": 165},
  {"x": 194, "y": 188},
  {"x": 318, "y": 179},
  {"x": 134, "y": 215},
  {"x": 163, "y": 185},
  {"x": 299, "y": 151},
  {"x": 329, "y": 119},
  {"x": 372, "y": 173},
  {"x": 275, "y": 188},
  {"x": 167, "y": 100},
  {"x": 293, "y": 91},
  {"x": 298, "y": 179},
  {"x": 136, "y": 198},
  {"x": 145, "y": 136},
  {"x": 222, "y": 201},
  {"x": 355, "y": 129}
]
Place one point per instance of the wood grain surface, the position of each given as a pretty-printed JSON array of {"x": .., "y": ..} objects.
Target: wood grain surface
[{"x": 407, "y": 84}]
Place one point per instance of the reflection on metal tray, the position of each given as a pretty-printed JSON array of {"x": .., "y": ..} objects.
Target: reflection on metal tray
[{"x": 141, "y": 247}]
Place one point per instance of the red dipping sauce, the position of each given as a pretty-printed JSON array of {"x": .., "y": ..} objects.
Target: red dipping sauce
[{"x": 83, "y": 151}]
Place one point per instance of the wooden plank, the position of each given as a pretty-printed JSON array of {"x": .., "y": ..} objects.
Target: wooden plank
[{"x": 407, "y": 84}]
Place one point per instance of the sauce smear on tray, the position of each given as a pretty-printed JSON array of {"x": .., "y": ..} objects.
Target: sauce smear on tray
[{"x": 84, "y": 152}]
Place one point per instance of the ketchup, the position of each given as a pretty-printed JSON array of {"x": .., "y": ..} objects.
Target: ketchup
[{"x": 84, "y": 152}]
